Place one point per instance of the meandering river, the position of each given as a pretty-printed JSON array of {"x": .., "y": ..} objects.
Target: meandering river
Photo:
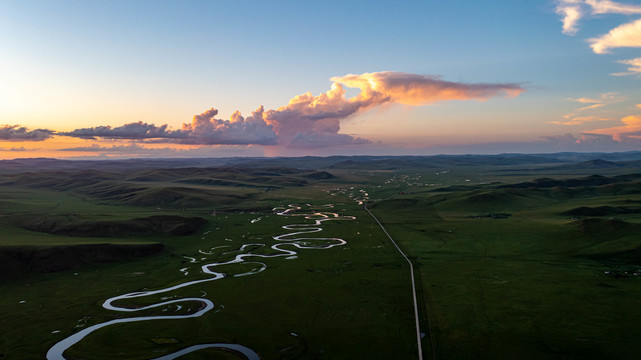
[{"x": 296, "y": 237}]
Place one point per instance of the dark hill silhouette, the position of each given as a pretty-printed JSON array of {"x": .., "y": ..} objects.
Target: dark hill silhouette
[
  {"x": 593, "y": 180},
  {"x": 17, "y": 260},
  {"x": 153, "y": 225},
  {"x": 602, "y": 211}
]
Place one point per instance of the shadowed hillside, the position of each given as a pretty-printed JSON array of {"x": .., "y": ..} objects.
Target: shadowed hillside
[
  {"x": 169, "y": 187},
  {"x": 18, "y": 260},
  {"x": 602, "y": 211},
  {"x": 153, "y": 225},
  {"x": 594, "y": 180}
]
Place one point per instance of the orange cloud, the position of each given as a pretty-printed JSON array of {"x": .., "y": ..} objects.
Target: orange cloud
[
  {"x": 412, "y": 89},
  {"x": 579, "y": 120},
  {"x": 306, "y": 120},
  {"x": 584, "y": 100},
  {"x": 602, "y": 100},
  {"x": 594, "y": 106},
  {"x": 314, "y": 121},
  {"x": 626, "y": 35},
  {"x": 630, "y": 129},
  {"x": 309, "y": 119}
]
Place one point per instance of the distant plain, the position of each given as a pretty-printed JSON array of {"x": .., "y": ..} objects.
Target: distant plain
[{"x": 518, "y": 256}]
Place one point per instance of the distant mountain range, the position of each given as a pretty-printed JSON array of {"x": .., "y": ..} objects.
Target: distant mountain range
[{"x": 566, "y": 160}]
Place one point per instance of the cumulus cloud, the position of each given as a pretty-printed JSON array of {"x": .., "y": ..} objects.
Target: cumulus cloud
[
  {"x": 204, "y": 129},
  {"x": 21, "y": 133},
  {"x": 307, "y": 120},
  {"x": 319, "y": 116},
  {"x": 316, "y": 119},
  {"x": 135, "y": 130},
  {"x": 571, "y": 12},
  {"x": 626, "y": 35}
]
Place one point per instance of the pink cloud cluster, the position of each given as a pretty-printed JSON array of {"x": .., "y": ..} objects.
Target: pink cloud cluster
[
  {"x": 205, "y": 129},
  {"x": 412, "y": 89},
  {"x": 307, "y": 121}
]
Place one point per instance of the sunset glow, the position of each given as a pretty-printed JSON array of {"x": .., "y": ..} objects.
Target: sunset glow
[
  {"x": 320, "y": 179},
  {"x": 137, "y": 79}
]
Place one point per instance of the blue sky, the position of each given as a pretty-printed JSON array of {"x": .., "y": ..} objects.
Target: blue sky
[{"x": 71, "y": 65}]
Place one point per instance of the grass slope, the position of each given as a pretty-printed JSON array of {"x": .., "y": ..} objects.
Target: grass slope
[
  {"x": 508, "y": 266},
  {"x": 535, "y": 285}
]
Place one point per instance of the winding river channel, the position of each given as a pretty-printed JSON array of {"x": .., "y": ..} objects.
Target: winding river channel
[{"x": 296, "y": 238}]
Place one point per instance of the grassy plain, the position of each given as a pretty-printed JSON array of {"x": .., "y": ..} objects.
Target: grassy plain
[
  {"x": 344, "y": 302},
  {"x": 508, "y": 266},
  {"x": 507, "y": 273}
]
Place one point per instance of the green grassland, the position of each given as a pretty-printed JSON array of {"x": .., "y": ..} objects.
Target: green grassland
[
  {"x": 528, "y": 258},
  {"x": 520, "y": 271},
  {"x": 344, "y": 302},
  {"x": 337, "y": 301}
]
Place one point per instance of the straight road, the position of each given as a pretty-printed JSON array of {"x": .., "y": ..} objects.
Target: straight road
[{"x": 418, "y": 327}]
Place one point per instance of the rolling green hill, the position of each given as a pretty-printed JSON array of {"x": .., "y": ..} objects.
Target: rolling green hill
[{"x": 516, "y": 256}]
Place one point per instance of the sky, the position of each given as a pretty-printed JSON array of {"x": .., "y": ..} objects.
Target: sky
[{"x": 124, "y": 79}]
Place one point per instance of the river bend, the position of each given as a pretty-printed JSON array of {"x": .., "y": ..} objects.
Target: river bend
[{"x": 297, "y": 237}]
